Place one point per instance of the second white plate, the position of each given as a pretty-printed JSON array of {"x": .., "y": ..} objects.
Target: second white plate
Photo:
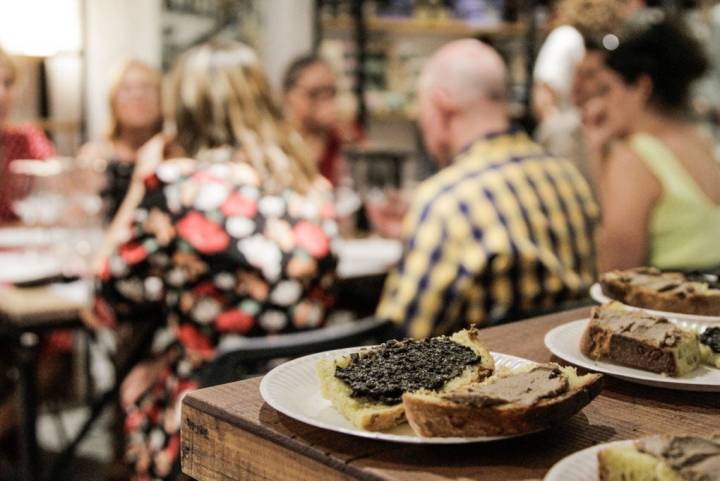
[
  {"x": 580, "y": 466},
  {"x": 293, "y": 388},
  {"x": 564, "y": 342}
]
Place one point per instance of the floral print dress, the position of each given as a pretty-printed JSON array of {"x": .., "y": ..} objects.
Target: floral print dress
[{"x": 224, "y": 257}]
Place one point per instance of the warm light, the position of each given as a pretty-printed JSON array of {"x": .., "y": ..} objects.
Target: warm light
[
  {"x": 40, "y": 28},
  {"x": 610, "y": 41}
]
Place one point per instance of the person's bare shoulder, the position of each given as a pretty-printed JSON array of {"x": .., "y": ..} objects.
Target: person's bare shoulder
[{"x": 625, "y": 171}]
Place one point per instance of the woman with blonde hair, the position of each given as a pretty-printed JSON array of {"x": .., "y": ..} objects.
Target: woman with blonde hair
[
  {"x": 135, "y": 117},
  {"x": 232, "y": 239}
]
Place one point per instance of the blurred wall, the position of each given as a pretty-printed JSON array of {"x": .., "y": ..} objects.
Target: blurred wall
[
  {"x": 116, "y": 30},
  {"x": 287, "y": 33}
]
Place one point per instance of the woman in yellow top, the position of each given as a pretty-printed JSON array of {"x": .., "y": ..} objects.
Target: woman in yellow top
[{"x": 659, "y": 181}]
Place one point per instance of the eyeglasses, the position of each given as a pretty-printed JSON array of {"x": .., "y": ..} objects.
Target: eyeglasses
[{"x": 320, "y": 92}]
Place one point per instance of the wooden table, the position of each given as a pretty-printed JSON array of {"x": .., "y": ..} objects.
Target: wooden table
[
  {"x": 228, "y": 432},
  {"x": 25, "y": 314}
]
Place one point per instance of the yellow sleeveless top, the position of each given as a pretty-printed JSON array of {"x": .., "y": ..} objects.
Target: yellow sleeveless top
[{"x": 685, "y": 224}]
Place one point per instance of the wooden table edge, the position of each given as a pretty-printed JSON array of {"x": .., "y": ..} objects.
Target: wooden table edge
[{"x": 286, "y": 442}]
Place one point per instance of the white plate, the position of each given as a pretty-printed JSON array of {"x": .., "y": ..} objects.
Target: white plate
[
  {"x": 24, "y": 237},
  {"x": 685, "y": 320},
  {"x": 564, "y": 342},
  {"x": 580, "y": 466},
  {"x": 28, "y": 266},
  {"x": 293, "y": 389},
  {"x": 366, "y": 257}
]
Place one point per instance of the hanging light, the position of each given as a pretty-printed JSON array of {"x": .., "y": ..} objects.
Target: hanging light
[{"x": 40, "y": 28}]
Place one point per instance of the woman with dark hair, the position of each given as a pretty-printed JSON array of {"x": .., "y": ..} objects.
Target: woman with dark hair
[
  {"x": 311, "y": 107},
  {"x": 659, "y": 182},
  {"x": 310, "y": 91}
]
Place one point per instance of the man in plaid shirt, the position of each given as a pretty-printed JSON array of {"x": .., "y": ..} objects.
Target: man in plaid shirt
[{"x": 504, "y": 229}]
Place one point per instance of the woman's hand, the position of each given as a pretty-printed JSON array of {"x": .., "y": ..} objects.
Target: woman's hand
[
  {"x": 140, "y": 379},
  {"x": 91, "y": 321},
  {"x": 597, "y": 131},
  {"x": 100, "y": 316}
]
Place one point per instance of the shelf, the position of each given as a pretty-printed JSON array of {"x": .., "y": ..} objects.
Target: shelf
[
  {"x": 392, "y": 116},
  {"x": 413, "y": 26}
]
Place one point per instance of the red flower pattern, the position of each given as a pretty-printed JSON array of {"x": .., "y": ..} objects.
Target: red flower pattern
[
  {"x": 205, "y": 177},
  {"x": 311, "y": 238},
  {"x": 327, "y": 211},
  {"x": 235, "y": 321},
  {"x": 237, "y": 204},
  {"x": 132, "y": 252},
  {"x": 151, "y": 182},
  {"x": 134, "y": 420},
  {"x": 191, "y": 337},
  {"x": 203, "y": 234}
]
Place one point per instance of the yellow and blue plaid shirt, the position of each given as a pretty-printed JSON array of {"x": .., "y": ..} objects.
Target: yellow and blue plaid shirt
[{"x": 506, "y": 229}]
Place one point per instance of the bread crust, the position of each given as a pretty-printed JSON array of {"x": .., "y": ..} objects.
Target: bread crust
[
  {"x": 433, "y": 416},
  {"x": 685, "y": 300}
]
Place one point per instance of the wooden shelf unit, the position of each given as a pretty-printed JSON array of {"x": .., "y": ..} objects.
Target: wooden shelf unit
[{"x": 420, "y": 26}]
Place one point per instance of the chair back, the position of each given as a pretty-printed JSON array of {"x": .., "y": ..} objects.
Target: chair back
[{"x": 242, "y": 357}]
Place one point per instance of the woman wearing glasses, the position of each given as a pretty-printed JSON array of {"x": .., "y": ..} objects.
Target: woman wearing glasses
[{"x": 310, "y": 105}]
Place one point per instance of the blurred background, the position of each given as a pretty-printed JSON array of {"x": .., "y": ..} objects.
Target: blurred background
[{"x": 68, "y": 56}]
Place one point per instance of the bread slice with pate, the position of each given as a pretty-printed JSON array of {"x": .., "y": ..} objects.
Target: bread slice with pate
[
  {"x": 651, "y": 288},
  {"x": 367, "y": 387},
  {"x": 510, "y": 402},
  {"x": 639, "y": 340},
  {"x": 662, "y": 458}
]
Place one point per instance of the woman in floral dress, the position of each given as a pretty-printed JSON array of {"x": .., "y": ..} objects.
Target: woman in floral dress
[{"x": 232, "y": 240}]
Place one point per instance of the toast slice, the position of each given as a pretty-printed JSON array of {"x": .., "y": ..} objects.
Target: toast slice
[
  {"x": 509, "y": 402},
  {"x": 637, "y": 339},
  {"x": 662, "y": 458},
  {"x": 710, "y": 346},
  {"x": 650, "y": 288},
  {"x": 376, "y": 404}
]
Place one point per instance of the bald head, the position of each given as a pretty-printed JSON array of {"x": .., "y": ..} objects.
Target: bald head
[
  {"x": 461, "y": 96},
  {"x": 467, "y": 71}
]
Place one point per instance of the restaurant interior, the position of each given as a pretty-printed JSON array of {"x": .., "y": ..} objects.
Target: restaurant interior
[{"x": 360, "y": 240}]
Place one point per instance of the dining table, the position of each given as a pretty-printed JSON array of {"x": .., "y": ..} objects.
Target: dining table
[
  {"x": 229, "y": 433},
  {"x": 37, "y": 298}
]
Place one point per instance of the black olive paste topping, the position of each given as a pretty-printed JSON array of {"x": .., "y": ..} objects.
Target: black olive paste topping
[
  {"x": 711, "y": 337},
  {"x": 384, "y": 373},
  {"x": 712, "y": 281}
]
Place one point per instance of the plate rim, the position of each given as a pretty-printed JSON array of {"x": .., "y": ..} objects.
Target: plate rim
[
  {"x": 375, "y": 435},
  {"x": 556, "y": 469},
  {"x": 642, "y": 377},
  {"x": 597, "y": 294}
]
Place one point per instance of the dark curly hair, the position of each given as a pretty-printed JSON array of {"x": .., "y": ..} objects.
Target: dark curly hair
[{"x": 667, "y": 54}]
